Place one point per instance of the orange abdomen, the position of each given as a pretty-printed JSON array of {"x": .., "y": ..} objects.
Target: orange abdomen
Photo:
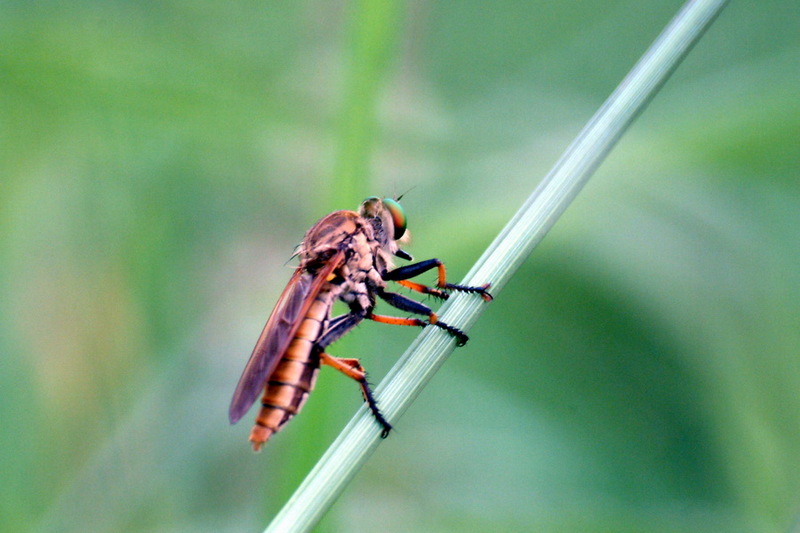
[{"x": 293, "y": 378}]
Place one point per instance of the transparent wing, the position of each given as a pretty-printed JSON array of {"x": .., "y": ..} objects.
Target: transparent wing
[{"x": 279, "y": 331}]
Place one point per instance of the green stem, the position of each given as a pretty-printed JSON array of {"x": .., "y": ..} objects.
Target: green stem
[
  {"x": 526, "y": 229},
  {"x": 374, "y": 27}
]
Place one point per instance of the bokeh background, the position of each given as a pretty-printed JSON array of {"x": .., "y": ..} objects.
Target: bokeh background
[{"x": 160, "y": 161}]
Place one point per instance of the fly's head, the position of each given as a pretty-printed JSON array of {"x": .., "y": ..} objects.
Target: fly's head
[{"x": 388, "y": 220}]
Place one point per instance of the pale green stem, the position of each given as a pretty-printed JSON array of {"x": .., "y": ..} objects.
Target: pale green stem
[{"x": 429, "y": 351}]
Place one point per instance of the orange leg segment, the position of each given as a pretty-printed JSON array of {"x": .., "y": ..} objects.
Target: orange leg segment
[
  {"x": 397, "y": 321},
  {"x": 349, "y": 367},
  {"x": 442, "y": 281},
  {"x": 352, "y": 368},
  {"x": 424, "y": 289},
  {"x": 433, "y": 320}
]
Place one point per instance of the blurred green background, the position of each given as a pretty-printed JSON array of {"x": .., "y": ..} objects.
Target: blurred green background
[{"x": 160, "y": 160}]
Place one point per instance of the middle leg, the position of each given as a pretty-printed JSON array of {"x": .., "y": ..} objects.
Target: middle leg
[{"x": 412, "y": 306}]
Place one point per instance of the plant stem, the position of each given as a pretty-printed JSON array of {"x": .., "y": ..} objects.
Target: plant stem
[
  {"x": 374, "y": 26},
  {"x": 512, "y": 246}
]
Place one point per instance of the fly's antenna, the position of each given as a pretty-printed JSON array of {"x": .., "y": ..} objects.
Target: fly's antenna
[{"x": 400, "y": 197}]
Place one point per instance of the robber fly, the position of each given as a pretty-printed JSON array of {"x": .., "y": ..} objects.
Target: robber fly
[{"x": 347, "y": 255}]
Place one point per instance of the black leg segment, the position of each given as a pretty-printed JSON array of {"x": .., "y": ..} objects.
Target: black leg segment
[
  {"x": 337, "y": 327},
  {"x": 412, "y": 306},
  {"x": 373, "y": 406},
  {"x": 411, "y": 271},
  {"x": 404, "y": 303}
]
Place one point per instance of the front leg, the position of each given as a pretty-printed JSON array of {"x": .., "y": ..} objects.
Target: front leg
[{"x": 402, "y": 274}]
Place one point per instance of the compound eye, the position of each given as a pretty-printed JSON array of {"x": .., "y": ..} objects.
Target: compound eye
[{"x": 398, "y": 217}]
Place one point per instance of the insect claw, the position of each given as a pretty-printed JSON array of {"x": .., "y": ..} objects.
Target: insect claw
[
  {"x": 461, "y": 337},
  {"x": 485, "y": 292},
  {"x": 386, "y": 427}
]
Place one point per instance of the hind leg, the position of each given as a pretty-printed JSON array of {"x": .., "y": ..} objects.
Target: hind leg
[{"x": 352, "y": 368}]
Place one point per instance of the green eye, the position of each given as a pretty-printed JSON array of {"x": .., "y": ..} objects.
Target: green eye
[{"x": 398, "y": 217}]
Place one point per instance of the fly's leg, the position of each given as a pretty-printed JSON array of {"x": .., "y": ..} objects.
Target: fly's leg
[
  {"x": 402, "y": 275},
  {"x": 412, "y": 306},
  {"x": 353, "y": 369},
  {"x": 461, "y": 337},
  {"x": 402, "y": 254},
  {"x": 339, "y": 326}
]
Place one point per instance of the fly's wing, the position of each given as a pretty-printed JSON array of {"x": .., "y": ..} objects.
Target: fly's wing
[{"x": 281, "y": 327}]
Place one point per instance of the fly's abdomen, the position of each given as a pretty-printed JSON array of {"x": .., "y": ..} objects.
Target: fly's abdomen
[{"x": 293, "y": 378}]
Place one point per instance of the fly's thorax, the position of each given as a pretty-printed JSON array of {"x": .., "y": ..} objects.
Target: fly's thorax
[
  {"x": 356, "y": 295},
  {"x": 358, "y": 275},
  {"x": 359, "y": 258},
  {"x": 328, "y": 236}
]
